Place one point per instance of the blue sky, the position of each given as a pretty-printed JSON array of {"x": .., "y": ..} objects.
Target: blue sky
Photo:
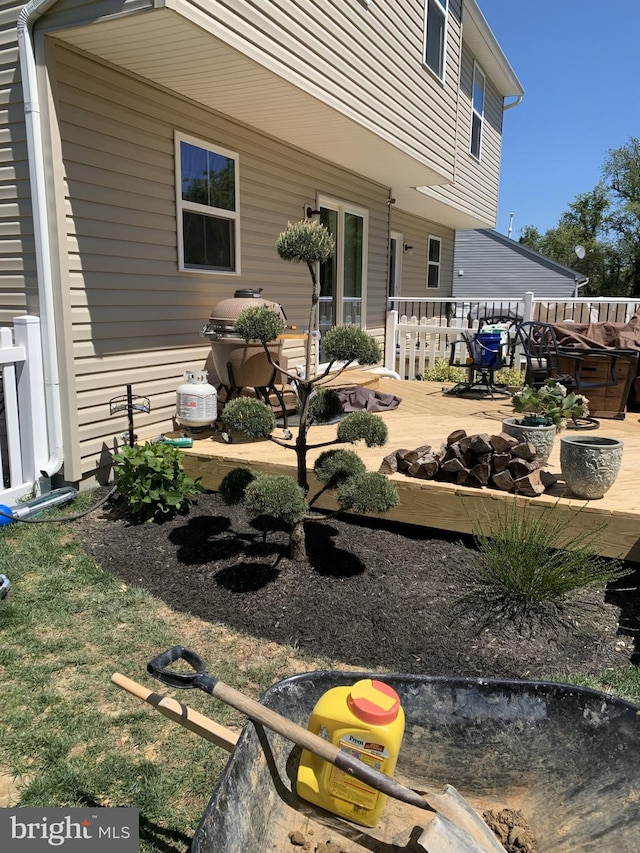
[{"x": 579, "y": 64}]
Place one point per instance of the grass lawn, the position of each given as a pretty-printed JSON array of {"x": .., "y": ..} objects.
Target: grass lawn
[{"x": 68, "y": 737}]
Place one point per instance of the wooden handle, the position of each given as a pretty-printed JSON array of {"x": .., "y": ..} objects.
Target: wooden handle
[
  {"x": 179, "y": 713},
  {"x": 276, "y": 722}
]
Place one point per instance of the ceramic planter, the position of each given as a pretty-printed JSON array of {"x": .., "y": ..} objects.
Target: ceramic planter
[
  {"x": 590, "y": 465},
  {"x": 541, "y": 437}
]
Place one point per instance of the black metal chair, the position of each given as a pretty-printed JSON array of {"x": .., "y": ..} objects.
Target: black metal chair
[
  {"x": 547, "y": 359},
  {"x": 481, "y": 364}
]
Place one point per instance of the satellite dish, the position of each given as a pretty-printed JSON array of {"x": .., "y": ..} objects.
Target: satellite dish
[{"x": 580, "y": 251}]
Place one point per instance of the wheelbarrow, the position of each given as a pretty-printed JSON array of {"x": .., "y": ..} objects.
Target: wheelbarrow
[{"x": 565, "y": 758}]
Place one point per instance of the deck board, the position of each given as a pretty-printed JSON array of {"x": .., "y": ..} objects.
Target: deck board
[{"x": 427, "y": 416}]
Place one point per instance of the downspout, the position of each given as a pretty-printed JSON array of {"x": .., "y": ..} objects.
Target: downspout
[{"x": 29, "y": 14}]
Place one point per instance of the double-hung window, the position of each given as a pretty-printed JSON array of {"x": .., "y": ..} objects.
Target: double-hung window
[
  {"x": 433, "y": 262},
  {"x": 477, "y": 110},
  {"x": 207, "y": 207},
  {"x": 435, "y": 36}
]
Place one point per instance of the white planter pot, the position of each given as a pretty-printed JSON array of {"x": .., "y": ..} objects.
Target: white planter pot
[
  {"x": 590, "y": 465},
  {"x": 541, "y": 437}
]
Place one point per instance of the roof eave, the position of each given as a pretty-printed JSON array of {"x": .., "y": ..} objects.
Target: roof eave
[{"x": 484, "y": 45}]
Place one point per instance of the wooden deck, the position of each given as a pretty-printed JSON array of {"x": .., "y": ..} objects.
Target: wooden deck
[{"x": 427, "y": 416}]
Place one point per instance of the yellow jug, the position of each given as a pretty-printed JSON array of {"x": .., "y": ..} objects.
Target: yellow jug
[{"x": 367, "y": 720}]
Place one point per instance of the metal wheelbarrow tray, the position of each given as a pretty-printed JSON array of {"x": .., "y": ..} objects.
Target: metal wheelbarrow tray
[{"x": 567, "y": 757}]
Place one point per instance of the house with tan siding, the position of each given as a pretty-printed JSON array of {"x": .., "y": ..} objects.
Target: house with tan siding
[{"x": 154, "y": 149}]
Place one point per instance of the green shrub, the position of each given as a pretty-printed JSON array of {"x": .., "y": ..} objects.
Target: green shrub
[
  {"x": 363, "y": 426},
  {"x": 518, "y": 558},
  {"x": 276, "y": 496},
  {"x": 259, "y": 323},
  {"x": 442, "y": 371},
  {"x": 250, "y": 416},
  {"x": 336, "y": 466},
  {"x": 351, "y": 343},
  {"x": 305, "y": 241},
  {"x": 234, "y": 485},
  {"x": 152, "y": 480},
  {"x": 324, "y": 406},
  {"x": 369, "y": 492}
]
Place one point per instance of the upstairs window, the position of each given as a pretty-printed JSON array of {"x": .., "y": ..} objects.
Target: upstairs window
[
  {"x": 207, "y": 207},
  {"x": 477, "y": 111},
  {"x": 435, "y": 36},
  {"x": 433, "y": 262}
]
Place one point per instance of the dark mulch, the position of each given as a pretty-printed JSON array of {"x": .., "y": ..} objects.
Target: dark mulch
[{"x": 371, "y": 594}]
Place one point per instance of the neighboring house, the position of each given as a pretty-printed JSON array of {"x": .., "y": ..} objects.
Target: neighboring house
[
  {"x": 489, "y": 264},
  {"x": 154, "y": 150}
]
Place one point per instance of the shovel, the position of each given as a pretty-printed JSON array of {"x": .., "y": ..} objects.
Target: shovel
[{"x": 457, "y": 828}]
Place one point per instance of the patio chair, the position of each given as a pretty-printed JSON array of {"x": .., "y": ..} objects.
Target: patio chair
[
  {"x": 481, "y": 363},
  {"x": 580, "y": 370}
]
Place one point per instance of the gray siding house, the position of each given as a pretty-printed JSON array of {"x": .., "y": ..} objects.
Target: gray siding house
[
  {"x": 153, "y": 150},
  {"x": 489, "y": 264}
]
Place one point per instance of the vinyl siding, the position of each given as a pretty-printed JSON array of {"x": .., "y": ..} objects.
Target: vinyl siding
[
  {"x": 495, "y": 266},
  {"x": 416, "y": 233},
  {"x": 18, "y": 286},
  {"x": 475, "y": 189},
  {"x": 134, "y": 318}
]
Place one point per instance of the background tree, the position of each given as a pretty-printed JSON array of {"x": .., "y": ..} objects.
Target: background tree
[
  {"x": 606, "y": 221},
  {"x": 282, "y": 498}
]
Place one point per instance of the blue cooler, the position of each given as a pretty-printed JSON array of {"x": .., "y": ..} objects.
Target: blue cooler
[{"x": 487, "y": 349}]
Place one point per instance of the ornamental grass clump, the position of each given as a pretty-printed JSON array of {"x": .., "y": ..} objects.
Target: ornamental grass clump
[
  {"x": 552, "y": 403},
  {"x": 289, "y": 502},
  {"x": 526, "y": 560}
]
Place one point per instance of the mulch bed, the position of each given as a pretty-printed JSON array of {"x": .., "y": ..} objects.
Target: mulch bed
[{"x": 371, "y": 594}]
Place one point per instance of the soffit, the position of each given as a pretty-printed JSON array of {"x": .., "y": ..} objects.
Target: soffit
[{"x": 167, "y": 49}]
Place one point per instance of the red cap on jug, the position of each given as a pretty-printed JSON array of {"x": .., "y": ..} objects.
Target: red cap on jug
[{"x": 374, "y": 702}]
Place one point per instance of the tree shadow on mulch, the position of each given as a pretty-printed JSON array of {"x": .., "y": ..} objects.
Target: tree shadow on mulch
[{"x": 372, "y": 593}]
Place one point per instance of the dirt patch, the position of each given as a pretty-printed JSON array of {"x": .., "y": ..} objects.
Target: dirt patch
[{"x": 371, "y": 594}]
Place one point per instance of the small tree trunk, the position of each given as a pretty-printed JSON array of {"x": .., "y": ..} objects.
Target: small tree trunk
[{"x": 298, "y": 548}]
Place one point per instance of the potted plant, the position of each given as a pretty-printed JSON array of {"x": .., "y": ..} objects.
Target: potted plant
[{"x": 544, "y": 411}]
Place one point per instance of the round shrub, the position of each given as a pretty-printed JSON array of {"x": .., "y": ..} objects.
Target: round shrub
[
  {"x": 363, "y": 426},
  {"x": 324, "y": 406},
  {"x": 249, "y": 416},
  {"x": 277, "y": 496},
  {"x": 369, "y": 492},
  {"x": 234, "y": 485},
  {"x": 336, "y": 466},
  {"x": 351, "y": 343},
  {"x": 259, "y": 323},
  {"x": 306, "y": 241}
]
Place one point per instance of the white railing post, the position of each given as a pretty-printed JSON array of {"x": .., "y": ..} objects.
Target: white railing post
[
  {"x": 31, "y": 399},
  {"x": 10, "y": 401},
  {"x": 390, "y": 341},
  {"x": 527, "y": 307}
]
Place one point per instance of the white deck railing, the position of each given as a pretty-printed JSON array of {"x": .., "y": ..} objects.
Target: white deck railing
[
  {"x": 23, "y": 433},
  {"x": 419, "y": 331}
]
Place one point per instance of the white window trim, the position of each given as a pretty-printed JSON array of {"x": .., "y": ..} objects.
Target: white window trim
[
  {"x": 477, "y": 70},
  {"x": 437, "y": 264},
  {"x": 181, "y": 204},
  {"x": 445, "y": 9}
]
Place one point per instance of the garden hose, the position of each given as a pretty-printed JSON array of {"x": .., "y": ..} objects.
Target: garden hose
[{"x": 7, "y": 515}]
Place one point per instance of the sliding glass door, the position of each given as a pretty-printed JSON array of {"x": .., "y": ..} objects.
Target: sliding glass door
[{"x": 343, "y": 277}]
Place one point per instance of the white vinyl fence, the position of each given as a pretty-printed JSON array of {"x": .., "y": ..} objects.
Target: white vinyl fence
[
  {"x": 419, "y": 331},
  {"x": 23, "y": 432}
]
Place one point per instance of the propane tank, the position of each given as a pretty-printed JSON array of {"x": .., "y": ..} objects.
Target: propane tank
[{"x": 196, "y": 400}]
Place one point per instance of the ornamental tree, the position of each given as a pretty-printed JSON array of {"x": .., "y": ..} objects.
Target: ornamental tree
[{"x": 280, "y": 497}]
